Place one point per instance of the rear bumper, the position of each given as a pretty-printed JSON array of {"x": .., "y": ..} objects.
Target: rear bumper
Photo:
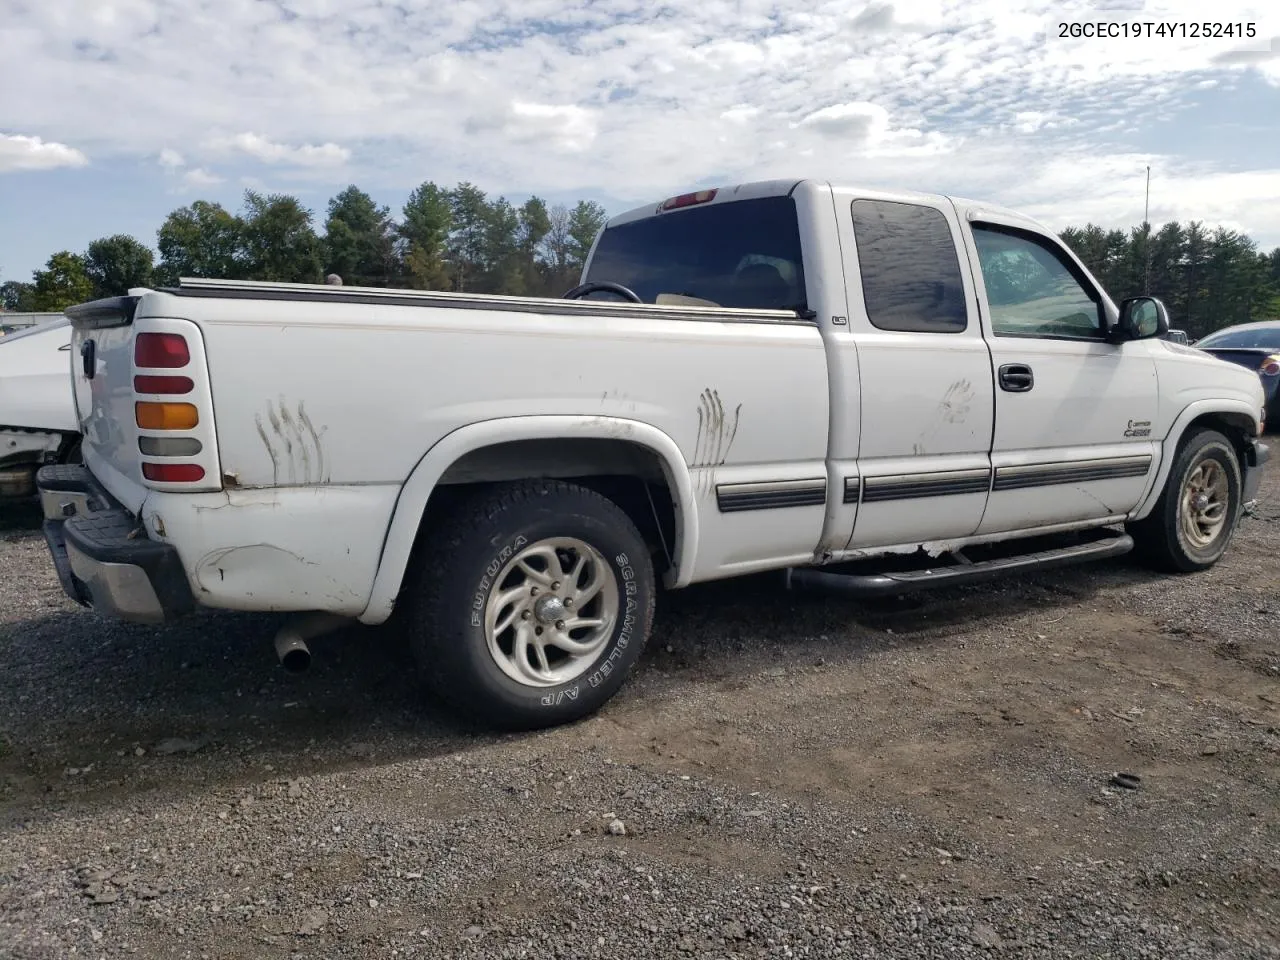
[
  {"x": 102, "y": 554},
  {"x": 1256, "y": 456}
]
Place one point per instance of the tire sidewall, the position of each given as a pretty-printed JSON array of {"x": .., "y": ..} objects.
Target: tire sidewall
[
  {"x": 1214, "y": 447},
  {"x": 480, "y": 562}
]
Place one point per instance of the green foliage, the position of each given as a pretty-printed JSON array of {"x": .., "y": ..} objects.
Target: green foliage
[
  {"x": 424, "y": 235},
  {"x": 1208, "y": 279},
  {"x": 360, "y": 240},
  {"x": 202, "y": 240},
  {"x": 62, "y": 283},
  {"x": 116, "y": 264},
  {"x": 17, "y": 296},
  {"x": 278, "y": 241}
]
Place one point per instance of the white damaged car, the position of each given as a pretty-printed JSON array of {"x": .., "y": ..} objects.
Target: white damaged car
[{"x": 37, "y": 405}]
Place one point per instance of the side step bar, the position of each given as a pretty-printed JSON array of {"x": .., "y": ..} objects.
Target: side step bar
[{"x": 892, "y": 584}]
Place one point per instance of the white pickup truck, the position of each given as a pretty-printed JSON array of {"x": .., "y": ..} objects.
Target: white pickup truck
[{"x": 869, "y": 390}]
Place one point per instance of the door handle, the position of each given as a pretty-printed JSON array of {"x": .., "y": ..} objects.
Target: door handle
[{"x": 1016, "y": 378}]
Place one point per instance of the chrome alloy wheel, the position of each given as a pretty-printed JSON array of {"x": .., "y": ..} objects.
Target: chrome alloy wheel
[{"x": 551, "y": 611}]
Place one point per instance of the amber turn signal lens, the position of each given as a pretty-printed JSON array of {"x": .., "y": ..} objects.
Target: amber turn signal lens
[{"x": 166, "y": 416}]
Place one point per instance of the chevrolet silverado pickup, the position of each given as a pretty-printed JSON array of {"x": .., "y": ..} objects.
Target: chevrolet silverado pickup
[{"x": 868, "y": 391}]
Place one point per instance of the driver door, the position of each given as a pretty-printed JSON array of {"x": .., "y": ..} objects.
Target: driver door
[{"x": 1074, "y": 414}]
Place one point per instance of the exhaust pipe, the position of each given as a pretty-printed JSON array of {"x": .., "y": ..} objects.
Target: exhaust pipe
[{"x": 291, "y": 640}]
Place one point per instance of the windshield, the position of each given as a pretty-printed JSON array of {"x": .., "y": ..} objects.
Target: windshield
[
  {"x": 740, "y": 254},
  {"x": 1258, "y": 338}
]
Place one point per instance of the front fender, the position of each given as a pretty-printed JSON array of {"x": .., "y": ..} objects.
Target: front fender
[
  {"x": 1200, "y": 408},
  {"x": 406, "y": 518}
]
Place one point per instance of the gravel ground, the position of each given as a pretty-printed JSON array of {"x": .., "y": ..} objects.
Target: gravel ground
[{"x": 783, "y": 777}]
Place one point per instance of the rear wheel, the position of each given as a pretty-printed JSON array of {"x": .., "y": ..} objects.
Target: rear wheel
[
  {"x": 1192, "y": 523},
  {"x": 530, "y": 604}
]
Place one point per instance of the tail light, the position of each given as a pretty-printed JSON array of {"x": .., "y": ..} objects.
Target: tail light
[
  {"x": 150, "y": 384},
  {"x": 163, "y": 350},
  {"x": 166, "y": 416},
  {"x": 173, "y": 472},
  {"x": 170, "y": 395},
  {"x": 1270, "y": 366}
]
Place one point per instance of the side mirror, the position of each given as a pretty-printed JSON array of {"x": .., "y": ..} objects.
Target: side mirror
[{"x": 1141, "y": 318}]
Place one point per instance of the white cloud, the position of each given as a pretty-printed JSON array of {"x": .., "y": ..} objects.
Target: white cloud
[
  {"x": 306, "y": 155},
  {"x": 171, "y": 159},
  {"x": 199, "y": 177},
  {"x": 31, "y": 153}
]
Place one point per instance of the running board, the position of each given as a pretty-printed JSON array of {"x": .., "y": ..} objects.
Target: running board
[{"x": 892, "y": 584}]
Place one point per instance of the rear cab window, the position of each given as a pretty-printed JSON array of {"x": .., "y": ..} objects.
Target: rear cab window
[
  {"x": 740, "y": 253},
  {"x": 910, "y": 268}
]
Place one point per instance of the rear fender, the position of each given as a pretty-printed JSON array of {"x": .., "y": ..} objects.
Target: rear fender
[{"x": 411, "y": 504}]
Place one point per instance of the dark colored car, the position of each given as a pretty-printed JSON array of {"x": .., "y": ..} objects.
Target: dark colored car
[{"x": 1256, "y": 346}]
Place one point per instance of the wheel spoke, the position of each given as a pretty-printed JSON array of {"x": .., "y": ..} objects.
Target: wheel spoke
[
  {"x": 578, "y": 647},
  {"x": 540, "y": 648},
  {"x": 573, "y": 576},
  {"x": 588, "y": 593},
  {"x": 533, "y": 573},
  {"x": 577, "y": 622},
  {"x": 505, "y": 623},
  {"x": 520, "y": 654}
]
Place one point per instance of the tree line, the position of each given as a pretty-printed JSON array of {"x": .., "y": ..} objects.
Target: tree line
[
  {"x": 1207, "y": 278},
  {"x": 461, "y": 240},
  {"x": 445, "y": 239}
]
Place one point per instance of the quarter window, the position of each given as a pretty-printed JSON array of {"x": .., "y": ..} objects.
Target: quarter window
[
  {"x": 1031, "y": 290},
  {"x": 910, "y": 270}
]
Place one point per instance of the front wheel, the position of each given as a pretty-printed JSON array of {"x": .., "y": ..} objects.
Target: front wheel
[
  {"x": 1192, "y": 523},
  {"x": 530, "y": 604}
]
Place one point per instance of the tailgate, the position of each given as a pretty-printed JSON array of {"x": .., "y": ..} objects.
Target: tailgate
[{"x": 142, "y": 400}]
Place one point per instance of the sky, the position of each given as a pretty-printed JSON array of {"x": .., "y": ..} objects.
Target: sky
[{"x": 114, "y": 112}]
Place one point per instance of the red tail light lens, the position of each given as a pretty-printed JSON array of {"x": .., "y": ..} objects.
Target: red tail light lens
[
  {"x": 1271, "y": 366},
  {"x": 173, "y": 472},
  {"x": 165, "y": 350},
  {"x": 145, "y": 384}
]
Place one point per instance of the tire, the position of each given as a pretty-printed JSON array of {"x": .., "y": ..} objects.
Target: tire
[
  {"x": 484, "y": 599},
  {"x": 1184, "y": 534}
]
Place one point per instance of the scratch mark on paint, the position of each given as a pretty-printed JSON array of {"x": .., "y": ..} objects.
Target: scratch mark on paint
[
  {"x": 271, "y": 452},
  {"x": 714, "y": 439},
  {"x": 321, "y": 473},
  {"x": 303, "y": 452},
  {"x": 953, "y": 407},
  {"x": 295, "y": 441}
]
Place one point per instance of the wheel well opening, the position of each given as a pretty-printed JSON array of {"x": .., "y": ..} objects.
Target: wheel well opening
[
  {"x": 1237, "y": 427},
  {"x": 631, "y": 475}
]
